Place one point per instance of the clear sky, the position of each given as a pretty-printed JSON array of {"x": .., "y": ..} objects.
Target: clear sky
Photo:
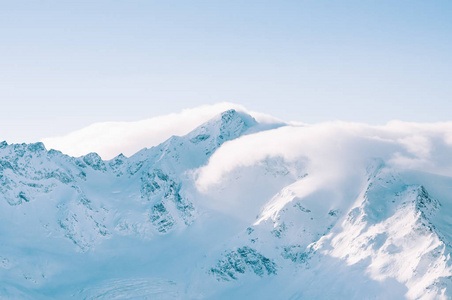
[{"x": 67, "y": 64}]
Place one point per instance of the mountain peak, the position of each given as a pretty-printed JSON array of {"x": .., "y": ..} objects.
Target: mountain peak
[
  {"x": 230, "y": 115},
  {"x": 227, "y": 126},
  {"x": 36, "y": 147}
]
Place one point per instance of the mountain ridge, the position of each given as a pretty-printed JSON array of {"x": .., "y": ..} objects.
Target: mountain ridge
[{"x": 141, "y": 226}]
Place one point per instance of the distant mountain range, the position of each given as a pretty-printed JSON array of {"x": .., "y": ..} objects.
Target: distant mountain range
[{"x": 235, "y": 209}]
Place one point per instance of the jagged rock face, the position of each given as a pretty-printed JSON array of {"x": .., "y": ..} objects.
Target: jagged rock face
[
  {"x": 95, "y": 161},
  {"x": 138, "y": 227},
  {"x": 230, "y": 125},
  {"x": 27, "y": 170},
  {"x": 159, "y": 188},
  {"x": 241, "y": 260}
]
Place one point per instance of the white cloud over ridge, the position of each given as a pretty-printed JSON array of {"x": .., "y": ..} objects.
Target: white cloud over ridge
[
  {"x": 109, "y": 139},
  {"x": 338, "y": 151},
  {"x": 333, "y": 150}
]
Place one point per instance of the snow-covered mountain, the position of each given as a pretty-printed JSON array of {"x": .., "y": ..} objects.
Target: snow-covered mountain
[{"x": 235, "y": 209}]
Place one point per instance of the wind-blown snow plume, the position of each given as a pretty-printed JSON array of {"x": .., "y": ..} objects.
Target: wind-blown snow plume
[{"x": 338, "y": 149}]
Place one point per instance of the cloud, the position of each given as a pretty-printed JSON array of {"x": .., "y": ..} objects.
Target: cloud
[
  {"x": 337, "y": 151},
  {"x": 109, "y": 139}
]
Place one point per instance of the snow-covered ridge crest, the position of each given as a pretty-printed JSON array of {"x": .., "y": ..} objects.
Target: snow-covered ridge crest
[
  {"x": 108, "y": 139},
  {"x": 235, "y": 208}
]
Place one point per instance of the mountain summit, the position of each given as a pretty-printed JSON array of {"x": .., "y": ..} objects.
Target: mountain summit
[{"x": 295, "y": 212}]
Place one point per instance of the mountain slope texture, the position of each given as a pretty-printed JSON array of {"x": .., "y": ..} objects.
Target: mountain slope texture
[{"x": 236, "y": 209}]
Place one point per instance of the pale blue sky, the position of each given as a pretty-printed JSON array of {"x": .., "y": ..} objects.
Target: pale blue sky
[{"x": 66, "y": 64}]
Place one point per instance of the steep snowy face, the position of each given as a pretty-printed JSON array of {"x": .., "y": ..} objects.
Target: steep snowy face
[
  {"x": 393, "y": 229},
  {"x": 50, "y": 199},
  {"x": 393, "y": 234},
  {"x": 89, "y": 194},
  {"x": 295, "y": 213}
]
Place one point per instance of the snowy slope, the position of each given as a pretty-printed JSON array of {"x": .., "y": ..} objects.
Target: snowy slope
[{"x": 313, "y": 212}]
